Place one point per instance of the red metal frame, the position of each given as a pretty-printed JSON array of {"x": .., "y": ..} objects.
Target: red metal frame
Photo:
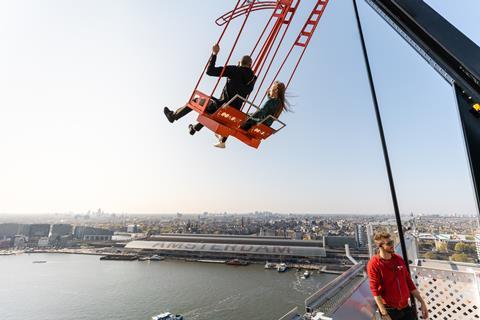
[
  {"x": 227, "y": 120},
  {"x": 221, "y": 123},
  {"x": 292, "y": 10},
  {"x": 259, "y": 5},
  {"x": 303, "y": 39}
]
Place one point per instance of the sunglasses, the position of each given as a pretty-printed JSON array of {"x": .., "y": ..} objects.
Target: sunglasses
[{"x": 388, "y": 243}]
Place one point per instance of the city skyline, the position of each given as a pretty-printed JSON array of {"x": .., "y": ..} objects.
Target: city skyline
[{"x": 82, "y": 125}]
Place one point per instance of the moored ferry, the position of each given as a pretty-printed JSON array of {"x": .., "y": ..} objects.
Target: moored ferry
[{"x": 237, "y": 262}]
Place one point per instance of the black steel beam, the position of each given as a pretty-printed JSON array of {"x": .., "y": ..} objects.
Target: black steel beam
[
  {"x": 452, "y": 54},
  {"x": 446, "y": 48},
  {"x": 471, "y": 131},
  {"x": 462, "y": 54}
]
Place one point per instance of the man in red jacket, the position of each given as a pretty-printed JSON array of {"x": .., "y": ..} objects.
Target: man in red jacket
[{"x": 390, "y": 282}]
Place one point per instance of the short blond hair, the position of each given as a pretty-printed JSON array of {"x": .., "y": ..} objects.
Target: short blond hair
[{"x": 379, "y": 236}]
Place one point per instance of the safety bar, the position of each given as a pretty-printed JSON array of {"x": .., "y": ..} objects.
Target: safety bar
[
  {"x": 237, "y": 96},
  {"x": 199, "y": 101}
]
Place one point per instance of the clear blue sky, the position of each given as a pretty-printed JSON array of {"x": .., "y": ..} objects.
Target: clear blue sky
[{"x": 81, "y": 124}]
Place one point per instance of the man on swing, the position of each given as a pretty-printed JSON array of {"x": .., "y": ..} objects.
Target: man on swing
[{"x": 240, "y": 80}]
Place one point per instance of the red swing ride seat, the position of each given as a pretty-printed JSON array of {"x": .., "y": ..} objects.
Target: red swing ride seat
[{"x": 227, "y": 120}]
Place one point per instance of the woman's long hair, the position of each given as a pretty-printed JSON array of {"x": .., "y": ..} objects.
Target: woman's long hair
[{"x": 284, "y": 105}]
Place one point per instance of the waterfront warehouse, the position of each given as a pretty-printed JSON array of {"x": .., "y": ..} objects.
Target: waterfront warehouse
[{"x": 230, "y": 247}]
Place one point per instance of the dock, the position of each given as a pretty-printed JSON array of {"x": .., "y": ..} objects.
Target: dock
[{"x": 119, "y": 257}]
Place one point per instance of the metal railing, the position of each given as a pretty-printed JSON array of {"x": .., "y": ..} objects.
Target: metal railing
[
  {"x": 291, "y": 315},
  {"x": 251, "y": 104},
  {"x": 328, "y": 291},
  {"x": 450, "y": 294}
]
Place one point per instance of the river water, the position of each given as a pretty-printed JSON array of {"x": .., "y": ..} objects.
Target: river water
[{"x": 81, "y": 287}]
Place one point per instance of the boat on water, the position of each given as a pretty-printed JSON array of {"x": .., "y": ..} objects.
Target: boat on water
[
  {"x": 269, "y": 265},
  {"x": 156, "y": 257},
  {"x": 282, "y": 267},
  {"x": 168, "y": 316},
  {"x": 39, "y": 261},
  {"x": 306, "y": 274},
  {"x": 119, "y": 257},
  {"x": 208, "y": 261},
  {"x": 237, "y": 262}
]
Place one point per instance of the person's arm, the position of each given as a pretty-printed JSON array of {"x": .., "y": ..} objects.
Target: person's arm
[
  {"x": 424, "y": 307},
  {"x": 214, "y": 71},
  {"x": 375, "y": 281},
  {"x": 381, "y": 308}
]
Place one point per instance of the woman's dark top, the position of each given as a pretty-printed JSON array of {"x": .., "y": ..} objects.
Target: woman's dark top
[{"x": 269, "y": 108}]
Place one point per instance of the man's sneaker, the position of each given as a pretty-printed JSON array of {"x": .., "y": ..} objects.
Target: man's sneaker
[
  {"x": 191, "y": 129},
  {"x": 220, "y": 145},
  {"x": 169, "y": 114}
]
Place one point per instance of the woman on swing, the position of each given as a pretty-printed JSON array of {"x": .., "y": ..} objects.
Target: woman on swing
[{"x": 274, "y": 106}]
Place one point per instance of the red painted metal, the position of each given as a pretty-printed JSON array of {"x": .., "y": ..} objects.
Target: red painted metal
[
  {"x": 292, "y": 9},
  {"x": 208, "y": 61},
  {"x": 258, "y": 5},
  {"x": 307, "y": 31},
  {"x": 247, "y": 15},
  {"x": 199, "y": 101},
  {"x": 227, "y": 120},
  {"x": 303, "y": 39}
]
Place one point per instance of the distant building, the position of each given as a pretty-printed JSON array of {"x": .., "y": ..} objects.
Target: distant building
[
  {"x": 9, "y": 230},
  {"x": 477, "y": 245},
  {"x": 60, "y": 235},
  {"x": 61, "y": 230},
  {"x": 298, "y": 235},
  {"x": 339, "y": 242},
  {"x": 97, "y": 237},
  {"x": 39, "y": 230},
  {"x": 229, "y": 247},
  {"x": 24, "y": 230},
  {"x": 132, "y": 228},
  {"x": 266, "y": 232},
  {"x": 92, "y": 234},
  {"x": 43, "y": 242},
  {"x": 5, "y": 244},
  {"x": 361, "y": 236},
  {"x": 122, "y": 236},
  {"x": 20, "y": 242},
  {"x": 125, "y": 236}
]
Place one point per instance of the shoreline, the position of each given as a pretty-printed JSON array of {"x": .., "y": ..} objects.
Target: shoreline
[{"x": 321, "y": 268}]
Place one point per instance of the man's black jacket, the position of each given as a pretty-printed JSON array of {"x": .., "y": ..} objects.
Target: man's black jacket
[{"x": 240, "y": 80}]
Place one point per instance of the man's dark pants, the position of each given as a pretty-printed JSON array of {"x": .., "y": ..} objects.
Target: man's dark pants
[
  {"x": 403, "y": 314},
  {"x": 213, "y": 106}
]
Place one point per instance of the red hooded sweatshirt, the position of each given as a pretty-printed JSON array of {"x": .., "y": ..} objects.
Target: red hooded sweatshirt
[{"x": 390, "y": 280}]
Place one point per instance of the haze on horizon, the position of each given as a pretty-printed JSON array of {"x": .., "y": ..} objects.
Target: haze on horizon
[{"x": 81, "y": 123}]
